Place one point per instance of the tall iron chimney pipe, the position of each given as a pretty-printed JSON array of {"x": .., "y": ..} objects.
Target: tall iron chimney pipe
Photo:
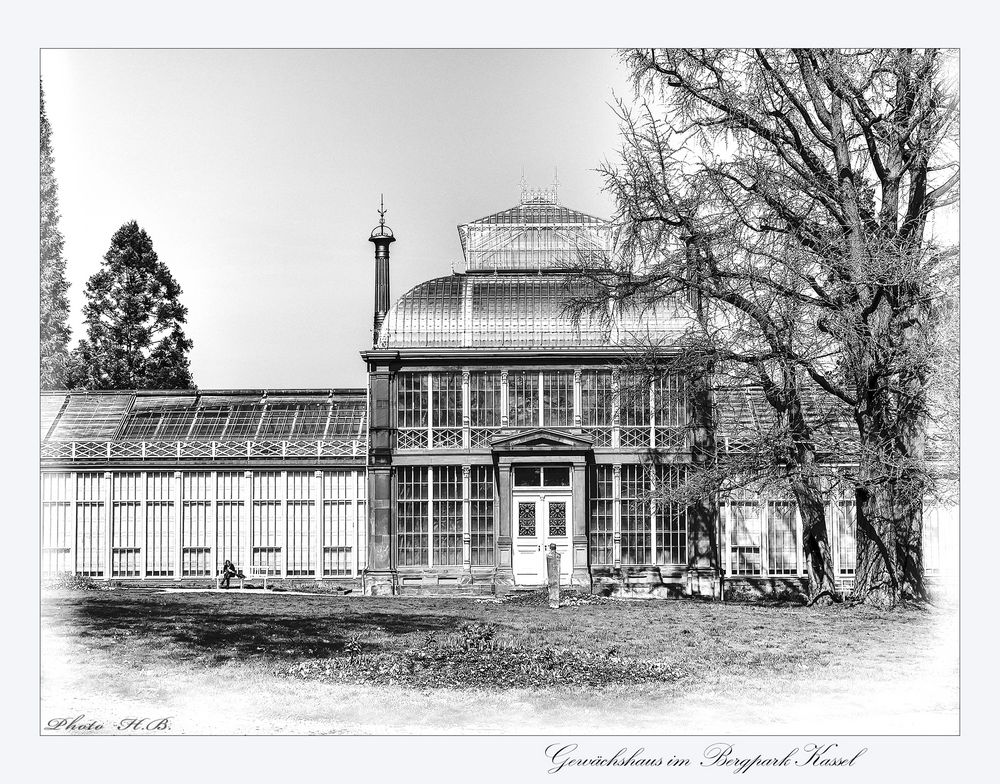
[{"x": 382, "y": 237}]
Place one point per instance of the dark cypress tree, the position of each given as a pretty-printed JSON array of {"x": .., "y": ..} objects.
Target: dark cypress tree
[
  {"x": 54, "y": 328},
  {"x": 135, "y": 335}
]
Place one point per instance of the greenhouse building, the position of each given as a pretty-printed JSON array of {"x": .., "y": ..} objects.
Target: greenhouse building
[{"x": 493, "y": 427}]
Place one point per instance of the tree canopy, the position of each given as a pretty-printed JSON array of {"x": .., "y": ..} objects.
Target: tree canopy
[
  {"x": 54, "y": 303},
  {"x": 135, "y": 337},
  {"x": 792, "y": 194}
]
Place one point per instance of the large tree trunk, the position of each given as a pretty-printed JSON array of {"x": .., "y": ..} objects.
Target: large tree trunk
[
  {"x": 703, "y": 514},
  {"x": 876, "y": 579},
  {"x": 890, "y": 496},
  {"x": 812, "y": 505},
  {"x": 815, "y": 540}
]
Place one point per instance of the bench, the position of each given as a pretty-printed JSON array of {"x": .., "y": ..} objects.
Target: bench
[
  {"x": 219, "y": 578},
  {"x": 265, "y": 572},
  {"x": 255, "y": 571}
]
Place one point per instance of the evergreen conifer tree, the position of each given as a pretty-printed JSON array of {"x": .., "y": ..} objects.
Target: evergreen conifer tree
[
  {"x": 54, "y": 331},
  {"x": 135, "y": 335}
]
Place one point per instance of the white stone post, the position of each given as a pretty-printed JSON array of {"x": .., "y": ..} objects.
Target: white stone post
[
  {"x": 616, "y": 413},
  {"x": 108, "y": 524},
  {"x": 467, "y": 518},
  {"x": 504, "y": 402},
  {"x": 616, "y": 514},
  {"x": 577, "y": 398},
  {"x": 320, "y": 523},
  {"x": 466, "y": 411}
]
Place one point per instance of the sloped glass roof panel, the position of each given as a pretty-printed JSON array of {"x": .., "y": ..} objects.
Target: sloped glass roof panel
[
  {"x": 92, "y": 417},
  {"x": 49, "y": 409},
  {"x": 219, "y": 416}
]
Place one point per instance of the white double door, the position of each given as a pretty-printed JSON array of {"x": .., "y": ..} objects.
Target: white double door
[{"x": 538, "y": 520}]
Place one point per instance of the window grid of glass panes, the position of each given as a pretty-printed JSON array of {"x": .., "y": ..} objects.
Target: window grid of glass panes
[
  {"x": 481, "y": 518},
  {"x": 446, "y": 515},
  {"x": 484, "y": 406},
  {"x": 845, "y": 514},
  {"x": 670, "y": 517},
  {"x": 411, "y": 410},
  {"x": 557, "y": 398},
  {"x": 126, "y": 523},
  {"x": 447, "y": 411},
  {"x": 196, "y": 551},
  {"x": 57, "y": 529},
  {"x": 90, "y": 527},
  {"x": 781, "y": 538},
  {"x": 636, "y": 534},
  {"x": 522, "y": 398},
  {"x": 302, "y": 523},
  {"x": 161, "y": 524},
  {"x": 670, "y": 409},
  {"x": 743, "y": 525},
  {"x": 602, "y": 515},
  {"x": 411, "y": 513},
  {"x": 338, "y": 523},
  {"x": 597, "y": 403},
  {"x": 634, "y": 414},
  {"x": 230, "y": 520},
  {"x": 265, "y": 532}
]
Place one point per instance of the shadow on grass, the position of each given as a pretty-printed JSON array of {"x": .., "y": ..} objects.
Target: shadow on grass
[{"x": 217, "y": 634}]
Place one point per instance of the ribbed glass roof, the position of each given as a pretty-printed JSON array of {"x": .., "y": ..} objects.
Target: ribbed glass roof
[
  {"x": 537, "y": 234},
  {"x": 210, "y": 416},
  {"x": 527, "y": 311}
]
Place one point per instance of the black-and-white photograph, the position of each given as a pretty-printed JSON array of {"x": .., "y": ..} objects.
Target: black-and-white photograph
[{"x": 500, "y": 392}]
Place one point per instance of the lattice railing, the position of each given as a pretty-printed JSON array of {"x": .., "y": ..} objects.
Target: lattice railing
[
  {"x": 415, "y": 438},
  {"x": 481, "y": 437},
  {"x": 632, "y": 437},
  {"x": 671, "y": 437},
  {"x": 198, "y": 450},
  {"x": 447, "y": 438},
  {"x": 600, "y": 435}
]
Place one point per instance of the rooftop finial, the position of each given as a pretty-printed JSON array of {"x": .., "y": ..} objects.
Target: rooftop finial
[
  {"x": 382, "y": 210},
  {"x": 524, "y": 186}
]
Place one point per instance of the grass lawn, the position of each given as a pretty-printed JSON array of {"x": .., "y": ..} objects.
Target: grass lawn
[{"x": 235, "y": 662}]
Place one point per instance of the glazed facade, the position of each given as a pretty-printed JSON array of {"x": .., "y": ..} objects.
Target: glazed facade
[{"x": 495, "y": 424}]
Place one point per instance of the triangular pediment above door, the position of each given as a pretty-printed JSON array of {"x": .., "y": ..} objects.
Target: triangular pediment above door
[{"x": 541, "y": 438}]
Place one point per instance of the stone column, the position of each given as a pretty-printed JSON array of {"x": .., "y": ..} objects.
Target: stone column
[
  {"x": 467, "y": 519},
  {"x": 466, "y": 411},
  {"x": 553, "y": 570},
  {"x": 249, "y": 509},
  {"x": 616, "y": 409},
  {"x": 504, "y": 403},
  {"x": 320, "y": 518},
  {"x": 178, "y": 493},
  {"x": 581, "y": 569},
  {"x": 381, "y": 578},
  {"x": 577, "y": 398},
  {"x": 380, "y": 573},
  {"x": 616, "y": 514},
  {"x": 505, "y": 570},
  {"x": 109, "y": 515}
]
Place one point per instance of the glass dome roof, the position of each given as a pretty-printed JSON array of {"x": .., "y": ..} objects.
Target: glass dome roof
[{"x": 516, "y": 310}]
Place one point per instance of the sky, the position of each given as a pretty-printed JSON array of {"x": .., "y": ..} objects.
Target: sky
[{"x": 258, "y": 173}]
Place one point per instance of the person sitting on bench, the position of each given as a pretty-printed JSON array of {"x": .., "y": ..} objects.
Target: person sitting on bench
[{"x": 228, "y": 572}]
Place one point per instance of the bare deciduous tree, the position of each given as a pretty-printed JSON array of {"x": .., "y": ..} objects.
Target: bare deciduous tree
[{"x": 790, "y": 195}]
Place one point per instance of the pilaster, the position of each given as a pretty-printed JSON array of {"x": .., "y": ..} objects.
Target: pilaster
[
  {"x": 380, "y": 575},
  {"x": 505, "y": 569},
  {"x": 581, "y": 569}
]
